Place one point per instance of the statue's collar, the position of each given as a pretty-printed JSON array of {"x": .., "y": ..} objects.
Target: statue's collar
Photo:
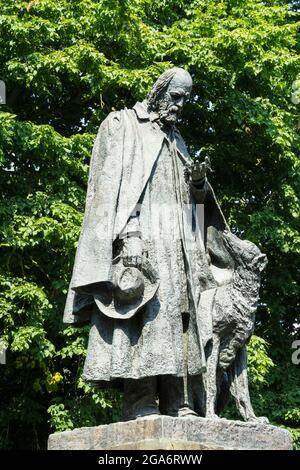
[{"x": 142, "y": 112}]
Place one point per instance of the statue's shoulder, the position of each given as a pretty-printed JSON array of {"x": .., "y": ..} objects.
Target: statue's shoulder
[
  {"x": 112, "y": 119},
  {"x": 117, "y": 119},
  {"x": 112, "y": 123}
]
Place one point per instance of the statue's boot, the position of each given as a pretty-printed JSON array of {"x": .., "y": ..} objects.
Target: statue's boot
[{"x": 140, "y": 398}]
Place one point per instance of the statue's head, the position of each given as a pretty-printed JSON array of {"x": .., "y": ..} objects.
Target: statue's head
[{"x": 169, "y": 93}]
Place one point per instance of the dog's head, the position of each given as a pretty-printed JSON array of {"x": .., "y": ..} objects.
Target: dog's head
[{"x": 244, "y": 252}]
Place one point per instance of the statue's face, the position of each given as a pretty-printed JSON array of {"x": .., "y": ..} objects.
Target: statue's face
[{"x": 172, "y": 102}]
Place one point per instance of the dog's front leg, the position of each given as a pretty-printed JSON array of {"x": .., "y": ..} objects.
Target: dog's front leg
[
  {"x": 211, "y": 377},
  {"x": 240, "y": 389}
]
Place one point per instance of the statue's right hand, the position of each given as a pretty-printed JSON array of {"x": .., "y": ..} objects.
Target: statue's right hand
[{"x": 132, "y": 252}]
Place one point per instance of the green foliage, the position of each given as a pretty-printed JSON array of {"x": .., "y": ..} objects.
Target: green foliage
[
  {"x": 66, "y": 65},
  {"x": 259, "y": 363}
]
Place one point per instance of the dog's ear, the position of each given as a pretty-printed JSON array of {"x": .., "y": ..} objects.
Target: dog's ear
[{"x": 219, "y": 253}]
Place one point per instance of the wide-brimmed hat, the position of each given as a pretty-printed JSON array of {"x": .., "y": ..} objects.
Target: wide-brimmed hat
[{"x": 130, "y": 290}]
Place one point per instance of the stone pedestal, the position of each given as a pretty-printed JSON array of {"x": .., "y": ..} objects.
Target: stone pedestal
[{"x": 167, "y": 433}]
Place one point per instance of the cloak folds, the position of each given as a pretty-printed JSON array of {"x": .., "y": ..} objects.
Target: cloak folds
[{"x": 125, "y": 152}]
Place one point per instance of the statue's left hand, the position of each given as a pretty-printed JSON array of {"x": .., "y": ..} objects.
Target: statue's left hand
[
  {"x": 199, "y": 169},
  {"x": 132, "y": 252}
]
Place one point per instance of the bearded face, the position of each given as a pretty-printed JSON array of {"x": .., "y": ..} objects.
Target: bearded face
[{"x": 171, "y": 103}]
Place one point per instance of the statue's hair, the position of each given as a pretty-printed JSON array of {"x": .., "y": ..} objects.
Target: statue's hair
[{"x": 160, "y": 86}]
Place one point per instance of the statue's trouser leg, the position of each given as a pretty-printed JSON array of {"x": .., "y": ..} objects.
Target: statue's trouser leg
[
  {"x": 173, "y": 399},
  {"x": 140, "y": 397}
]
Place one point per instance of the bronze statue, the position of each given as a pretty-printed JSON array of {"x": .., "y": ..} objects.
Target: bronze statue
[{"x": 153, "y": 245}]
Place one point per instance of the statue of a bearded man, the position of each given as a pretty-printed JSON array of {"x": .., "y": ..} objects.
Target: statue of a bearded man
[{"x": 143, "y": 258}]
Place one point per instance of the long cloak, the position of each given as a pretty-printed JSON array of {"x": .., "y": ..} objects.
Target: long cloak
[{"x": 126, "y": 150}]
